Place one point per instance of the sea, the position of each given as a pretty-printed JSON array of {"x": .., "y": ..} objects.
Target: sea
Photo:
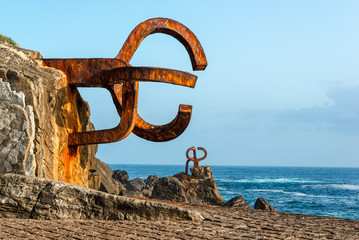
[{"x": 307, "y": 190}]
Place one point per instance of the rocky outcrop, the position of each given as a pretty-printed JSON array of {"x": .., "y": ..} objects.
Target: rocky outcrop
[
  {"x": 31, "y": 197},
  {"x": 169, "y": 188},
  {"x": 138, "y": 183},
  {"x": 151, "y": 180},
  {"x": 148, "y": 188},
  {"x": 108, "y": 183},
  {"x": 38, "y": 110},
  {"x": 198, "y": 188},
  {"x": 17, "y": 132},
  {"x": 237, "y": 202},
  {"x": 262, "y": 204},
  {"x": 121, "y": 176},
  {"x": 127, "y": 189}
]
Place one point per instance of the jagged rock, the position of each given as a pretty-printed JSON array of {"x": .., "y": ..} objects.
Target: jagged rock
[
  {"x": 138, "y": 183},
  {"x": 129, "y": 190},
  {"x": 31, "y": 197},
  {"x": 94, "y": 180},
  {"x": 147, "y": 190},
  {"x": 16, "y": 133},
  {"x": 121, "y": 176},
  {"x": 202, "y": 172},
  {"x": 108, "y": 183},
  {"x": 198, "y": 188},
  {"x": 169, "y": 188},
  {"x": 151, "y": 180},
  {"x": 131, "y": 193},
  {"x": 262, "y": 204},
  {"x": 38, "y": 110},
  {"x": 237, "y": 202},
  {"x": 201, "y": 186}
]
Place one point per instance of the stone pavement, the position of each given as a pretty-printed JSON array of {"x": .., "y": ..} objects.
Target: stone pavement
[{"x": 219, "y": 223}]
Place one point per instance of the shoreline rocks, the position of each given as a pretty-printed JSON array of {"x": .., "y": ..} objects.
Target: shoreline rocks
[
  {"x": 199, "y": 188},
  {"x": 237, "y": 202},
  {"x": 38, "y": 198},
  {"x": 262, "y": 204}
]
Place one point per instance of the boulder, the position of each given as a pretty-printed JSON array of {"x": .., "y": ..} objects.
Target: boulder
[
  {"x": 169, "y": 188},
  {"x": 39, "y": 198},
  {"x": 199, "y": 188},
  {"x": 262, "y": 204},
  {"x": 151, "y": 180},
  {"x": 138, "y": 183},
  {"x": 94, "y": 180},
  {"x": 127, "y": 188},
  {"x": 237, "y": 202},
  {"x": 38, "y": 110},
  {"x": 131, "y": 191},
  {"x": 121, "y": 176},
  {"x": 148, "y": 188},
  {"x": 108, "y": 183}
]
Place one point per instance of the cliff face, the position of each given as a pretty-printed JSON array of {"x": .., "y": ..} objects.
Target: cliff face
[{"x": 37, "y": 112}]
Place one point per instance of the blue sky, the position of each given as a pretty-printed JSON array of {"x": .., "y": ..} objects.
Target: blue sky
[{"x": 281, "y": 87}]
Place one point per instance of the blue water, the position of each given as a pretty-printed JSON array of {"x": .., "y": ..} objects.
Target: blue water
[{"x": 316, "y": 191}]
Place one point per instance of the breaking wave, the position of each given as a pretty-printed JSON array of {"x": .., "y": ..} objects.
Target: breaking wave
[
  {"x": 337, "y": 186},
  {"x": 290, "y": 193},
  {"x": 269, "y": 180}
]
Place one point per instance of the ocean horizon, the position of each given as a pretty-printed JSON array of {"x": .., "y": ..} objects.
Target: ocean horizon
[{"x": 323, "y": 191}]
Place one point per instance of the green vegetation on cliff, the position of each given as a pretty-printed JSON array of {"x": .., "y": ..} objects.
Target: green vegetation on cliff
[{"x": 9, "y": 40}]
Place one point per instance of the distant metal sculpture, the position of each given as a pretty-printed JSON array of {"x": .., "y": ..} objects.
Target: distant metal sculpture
[
  {"x": 194, "y": 158},
  {"x": 121, "y": 80}
]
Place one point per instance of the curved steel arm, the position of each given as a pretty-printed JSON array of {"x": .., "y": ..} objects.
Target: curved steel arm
[
  {"x": 155, "y": 133},
  {"x": 122, "y": 81},
  {"x": 194, "y": 154},
  {"x": 123, "y": 129},
  {"x": 148, "y": 74},
  {"x": 205, "y": 153},
  {"x": 199, "y": 62},
  {"x": 163, "y": 133},
  {"x": 170, "y": 27}
]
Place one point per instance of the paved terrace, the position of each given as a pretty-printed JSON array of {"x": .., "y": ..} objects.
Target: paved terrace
[{"x": 219, "y": 223}]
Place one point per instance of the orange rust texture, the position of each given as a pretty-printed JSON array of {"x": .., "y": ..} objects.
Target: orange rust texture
[
  {"x": 68, "y": 167},
  {"x": 84, "y": 72},
  {"x": 121, "y": 79},
  {"x": 170, "y": 27},
  {"x": 122, "y": 130},
  {"x": 114, "y": 74},
  {"x": 155, "y": 133},
  {"x": 167, "y": 132},
  {"x": 194, "y": 158},
  {"x": 150, "y": 74}
]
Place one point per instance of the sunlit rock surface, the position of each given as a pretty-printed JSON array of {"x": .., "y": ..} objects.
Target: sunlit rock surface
[
  {"x": 37, "y": 112},
  {"x": 200, "y": 187},
  {"x": 38, "y": 198}
]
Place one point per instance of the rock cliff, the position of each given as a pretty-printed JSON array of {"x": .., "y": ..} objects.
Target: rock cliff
[{"x": 38, "y": 110}]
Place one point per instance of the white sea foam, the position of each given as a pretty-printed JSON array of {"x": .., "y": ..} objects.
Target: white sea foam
[
  {"x": 345, "y": 186},
  {"x": 291, "y": 193},
  {"x": 269, "y": 180},
  {"x": 229, "y": 192},
  {"x": 337, "y": 186}
]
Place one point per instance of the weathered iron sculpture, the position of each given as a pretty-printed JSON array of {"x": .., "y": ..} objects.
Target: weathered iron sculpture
[
  {"x": 194, "y": 158},
  {"x": 121, "y": 80}
]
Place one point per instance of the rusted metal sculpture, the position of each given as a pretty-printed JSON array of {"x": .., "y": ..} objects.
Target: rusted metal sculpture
[
  {"x": 121, "y": 80},
  {"x": 194, "y": 158}
]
